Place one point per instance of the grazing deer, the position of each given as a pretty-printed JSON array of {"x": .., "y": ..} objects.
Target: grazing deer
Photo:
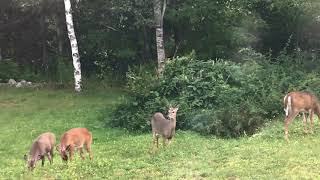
[
  {"x": 41, "y": 147},
  {"x": 164, "y": 127},
  {"x": 296, "y": 102},
  {"x": 75, "y": 139}
]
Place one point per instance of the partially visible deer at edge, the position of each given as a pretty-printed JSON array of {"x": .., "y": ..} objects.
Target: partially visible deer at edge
[
  {"x": 164, "y": 127},
  {"x": 41, "y": 147},
  {"x": 296, "y": 102}
]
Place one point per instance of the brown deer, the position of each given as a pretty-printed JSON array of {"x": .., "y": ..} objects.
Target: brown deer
[
  {"x": 41, "y": 147},
  {"x": 72, "y": 140},
  {"x": 296, "y": 102},
  {"x": 164, "y": 127}
]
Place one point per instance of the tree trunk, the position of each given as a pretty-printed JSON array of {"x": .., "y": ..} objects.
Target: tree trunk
[
  {"x": 59, "y": 34},
  {"x": 0, "y": 55},
  {"x": 146, "y": 44},
  {"x": 44, "y": 60},
  {"x": 74, "y": 46},
  {"x": 158, "y": 16},
  {"x": 176, "y": 30}
]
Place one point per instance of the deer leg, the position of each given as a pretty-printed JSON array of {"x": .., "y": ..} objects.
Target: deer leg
[
  {"x": 164, "y": 142},
  {"x": 305, "y": 129},
  {"x": 154, "y": 142},
  {"x": 157, "y": 140},
  {"x": 81, "y": 153},
  {"x": 51, "y": 154},
  {"x": 49, "y": 157},
  {"x": 71, "y": 151},
  {"x": 42, "y": 158},
  {"x": 88, "y": 148},
  {"x": 311, "y": 120},
  {"x": 287, "y": 122}
]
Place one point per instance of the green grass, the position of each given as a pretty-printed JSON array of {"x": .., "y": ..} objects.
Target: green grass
[{"x": 24, "y": 114}]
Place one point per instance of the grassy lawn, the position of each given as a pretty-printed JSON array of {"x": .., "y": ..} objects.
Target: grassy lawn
[{"x": 24, "y": 114}]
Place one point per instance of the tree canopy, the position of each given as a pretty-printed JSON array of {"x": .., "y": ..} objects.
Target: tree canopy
[{"x": 114, "y": 35}]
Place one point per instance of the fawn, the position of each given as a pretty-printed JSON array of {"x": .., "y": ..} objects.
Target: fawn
[
  {"x": 75, "y": 139},
  {"x": 41, "y": 147},
  {"x": 164, "y": 127}
]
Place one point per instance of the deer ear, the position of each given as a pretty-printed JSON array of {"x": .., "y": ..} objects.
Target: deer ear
[
  {"x": 177, "y": 107},
  {"x": 25, "y": 157},
  {"x": 58, "y": 148}
]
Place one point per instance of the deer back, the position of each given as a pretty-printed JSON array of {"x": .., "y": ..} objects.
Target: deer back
[
  {"x": 43, "y": 143},
  {"x": 301, "y": 101},
  {"x": 76, "y": 137},
  {"x": 159, "y": 122}
]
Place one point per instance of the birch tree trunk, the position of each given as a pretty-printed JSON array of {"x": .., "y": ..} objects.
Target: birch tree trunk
[
  {"x": 158, "y": 16},
  {"x": 74, "y": 46}
]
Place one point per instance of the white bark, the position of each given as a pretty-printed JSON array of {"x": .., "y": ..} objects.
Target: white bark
[
  {"x": 74, "y": 46},
  {"x": 158, "y": 16}
]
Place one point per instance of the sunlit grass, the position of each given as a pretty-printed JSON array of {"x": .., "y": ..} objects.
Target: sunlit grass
[{"x": 24, "y": 114}]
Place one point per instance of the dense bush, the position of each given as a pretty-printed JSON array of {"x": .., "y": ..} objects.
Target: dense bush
[
  {"x": 8, "y": 69},
  {"x": 216, "y": 96}
]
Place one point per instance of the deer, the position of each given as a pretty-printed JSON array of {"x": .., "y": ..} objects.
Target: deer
[
  {"x": 164, "y": 127},
  {"x": 42, "y": 146},
  {"x": 75, "y": 139},
  {"x": 296, "y": 102}
]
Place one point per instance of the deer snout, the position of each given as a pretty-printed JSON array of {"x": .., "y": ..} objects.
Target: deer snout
[
  {"x": 64, "y": 156},
  {"x": 31, "y": 165}
]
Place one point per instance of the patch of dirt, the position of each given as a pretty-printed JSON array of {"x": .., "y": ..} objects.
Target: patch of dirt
[{"x": 8, "y": 103}]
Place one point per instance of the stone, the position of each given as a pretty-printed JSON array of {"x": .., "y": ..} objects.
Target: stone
[
  {"x": 23, "y": 82},
  {"x": 12, "y": 82},
  {"x": 19, "y": 85}
]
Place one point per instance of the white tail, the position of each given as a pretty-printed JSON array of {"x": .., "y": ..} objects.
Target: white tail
[
  {"x": 296, "y": 102},
  {"x": 288, "y": 108},
  {"x": 164, "y": 127}
]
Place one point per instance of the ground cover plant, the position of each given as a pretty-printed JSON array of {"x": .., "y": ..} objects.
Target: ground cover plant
[{"x": 119, "y": 154}]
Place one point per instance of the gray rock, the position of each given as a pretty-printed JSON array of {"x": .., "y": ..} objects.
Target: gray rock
[
  {"x": 23, "y": 82},
  {"x": 12, "y": 82},
  {"x": 19, "y": 85}
]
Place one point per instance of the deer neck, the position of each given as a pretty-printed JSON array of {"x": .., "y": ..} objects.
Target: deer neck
[{"x": 172, "y": 119}]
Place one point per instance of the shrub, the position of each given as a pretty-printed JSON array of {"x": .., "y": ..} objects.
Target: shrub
[
  {"x": 215, "y": 96},
  {"x": 8, "y": 70}
]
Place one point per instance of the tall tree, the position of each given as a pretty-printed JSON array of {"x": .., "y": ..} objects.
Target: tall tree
[
  {"x": 74, "y": 46},
  {"x": 158, "y": 17}
]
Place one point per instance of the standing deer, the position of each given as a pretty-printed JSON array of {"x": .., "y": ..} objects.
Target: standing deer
[
  {"x": 296, "y": 102},
  {"x": 164, "y": 127},
  {"x": 75, "y": 139},
  {"x": 41, "y": 147}
]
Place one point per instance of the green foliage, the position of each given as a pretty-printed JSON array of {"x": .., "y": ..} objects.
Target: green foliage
[
  {"x": 8, "y": 70},
  {"x": 64, "y": 72},
  {"x": 216, "y": 96}
]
